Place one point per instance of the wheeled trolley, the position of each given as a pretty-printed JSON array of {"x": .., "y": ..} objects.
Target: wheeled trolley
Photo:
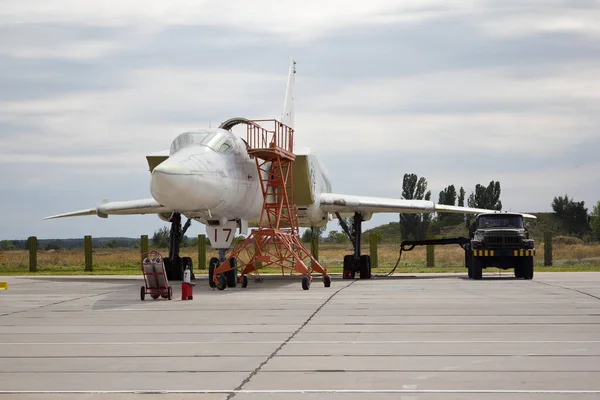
[{"x": 155, "y": 277}]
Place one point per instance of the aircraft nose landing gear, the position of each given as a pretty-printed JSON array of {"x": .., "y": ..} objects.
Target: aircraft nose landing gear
[{"x": 229, "y": 277}]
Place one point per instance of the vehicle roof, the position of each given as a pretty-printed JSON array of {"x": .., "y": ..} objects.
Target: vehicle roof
[{"x": 500, "y": 213}]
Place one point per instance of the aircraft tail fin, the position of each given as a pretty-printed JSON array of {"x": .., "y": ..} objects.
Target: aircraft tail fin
[{"x": 287, "y": 117}]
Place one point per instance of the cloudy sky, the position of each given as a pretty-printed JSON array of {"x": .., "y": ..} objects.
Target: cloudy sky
[{"x": 461, "y": 92}]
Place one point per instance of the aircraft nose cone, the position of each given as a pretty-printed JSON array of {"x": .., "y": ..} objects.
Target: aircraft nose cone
[
  {"x": 170, "y": 168},
  {"x": 175, "y": 186}
]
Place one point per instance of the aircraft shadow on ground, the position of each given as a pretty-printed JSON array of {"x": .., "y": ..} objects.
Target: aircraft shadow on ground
[
  {"x": 413, "y": 277},
  {"x": 493, "y": 278},
  {"x": 87, "y": 279}
]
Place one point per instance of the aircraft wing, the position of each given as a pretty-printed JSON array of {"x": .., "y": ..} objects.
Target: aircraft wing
[
  {"x": 143, "y": 206},
  {"x": 344, "y": 203}
]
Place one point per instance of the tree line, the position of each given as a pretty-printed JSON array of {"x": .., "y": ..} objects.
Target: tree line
[{"x": 571, "y": 216}]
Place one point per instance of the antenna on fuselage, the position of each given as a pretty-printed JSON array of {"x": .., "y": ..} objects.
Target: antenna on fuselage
[{"x": 287, "y": 116}]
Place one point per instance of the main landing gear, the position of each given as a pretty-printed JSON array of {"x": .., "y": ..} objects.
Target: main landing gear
[
  {"x": 356, "y": 262},
  {"x": 174, "y": 264}
]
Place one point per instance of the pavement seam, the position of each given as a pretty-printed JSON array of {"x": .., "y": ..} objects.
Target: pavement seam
[
  {"x": 59, "y": 302},
  {"x": 568, "y": 288},
  {"x": 282, "y": 345}
]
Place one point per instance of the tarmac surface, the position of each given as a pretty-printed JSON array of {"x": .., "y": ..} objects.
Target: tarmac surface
[{"x": 414, "y": 337}]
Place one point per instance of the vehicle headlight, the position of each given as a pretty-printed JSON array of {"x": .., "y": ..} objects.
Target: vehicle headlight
[
  {"x": 478, "y": 236},
  {"x": 528, "y": 244},
  {"x": 476, "y": 244}
]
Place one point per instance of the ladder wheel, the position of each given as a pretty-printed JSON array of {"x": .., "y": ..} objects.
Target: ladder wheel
[
  {"x": 244, "y": 281},
  {"x": 305, "y": 283},
  {"x": 327, "y": 281},
  {"x": 222, "y": 282},
  {"x": 212, "y": 265}
]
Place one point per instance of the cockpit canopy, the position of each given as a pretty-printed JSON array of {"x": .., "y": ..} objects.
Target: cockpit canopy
[{"x": 217, "y": 139}]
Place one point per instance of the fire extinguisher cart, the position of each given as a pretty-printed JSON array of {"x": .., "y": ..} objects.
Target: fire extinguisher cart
[{"x": 155, "y": 277}]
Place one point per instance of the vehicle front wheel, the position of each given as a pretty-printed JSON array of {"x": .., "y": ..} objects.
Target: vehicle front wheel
[
  {"x": 476, "y": 268},
  {"x": 528, "y": 268}
]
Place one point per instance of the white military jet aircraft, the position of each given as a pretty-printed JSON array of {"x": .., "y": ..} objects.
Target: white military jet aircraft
[{"x": 208, "y": 176}]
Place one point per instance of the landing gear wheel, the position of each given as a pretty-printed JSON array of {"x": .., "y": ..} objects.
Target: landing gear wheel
[
  {"x": 305, "y": 283},
  {"x": 349, "y": 272},
  {"x": 231, "y": 274},
  {"x": 244, "y": 281},
  {"x": 364, "y": 267},
  {"x": 327, "y": 281},
  {"x": 143, "y": 293},
  {"x": 212, "y": 265},
  {"x": 170, "y": 293},
  {"x": 222, "y": 282}
]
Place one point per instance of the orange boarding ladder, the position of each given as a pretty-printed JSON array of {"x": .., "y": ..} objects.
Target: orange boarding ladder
[{"x": 276, "y": 242}]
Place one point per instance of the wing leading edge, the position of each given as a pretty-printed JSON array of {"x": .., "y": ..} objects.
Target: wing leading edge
[
  {"x": 143, "y": 206},
  {"x": 331, "y": 202}
]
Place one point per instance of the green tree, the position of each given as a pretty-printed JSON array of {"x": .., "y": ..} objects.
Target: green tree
[
  {"x": 6, "y": 245},
  {"x": 595, "y": 221},
  {"x": 448, "y": 197},
  {"x": 160, "y": 239},
  {"x": 461, "y": 197},
  {"x": 52, "y": 246},
  {"x": 486, "y": 197},
  {"x": 308, "y": 233},
  {"x": 414, "y": 226},
  {"x": 111, "y": 244},
  {"x": 337, "y": 237},
  {"x": 573, "y": 215}
]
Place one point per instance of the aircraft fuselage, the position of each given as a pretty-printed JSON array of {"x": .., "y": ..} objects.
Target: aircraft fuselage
[{"x": 210, "y": 177}]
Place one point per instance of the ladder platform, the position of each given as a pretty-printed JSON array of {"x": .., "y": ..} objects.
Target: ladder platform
[{"x": 271, "y": 153}]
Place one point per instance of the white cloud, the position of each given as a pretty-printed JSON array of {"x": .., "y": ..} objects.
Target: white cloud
[
  {"x": 536, "y": 18},
  {"x": 472, "y": 109},
  {"x": 295, "y": 19},
  {"x": 135, "y": 119},
  {"x": 72, "y": 49},
  {"x": 517, "y": 133},
  {"x": 64, "y": 139}
]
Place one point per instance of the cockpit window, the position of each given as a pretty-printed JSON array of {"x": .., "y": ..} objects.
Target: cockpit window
[
  {"x": 222, "y": 143},
  {"x": 218, "y": 141}
]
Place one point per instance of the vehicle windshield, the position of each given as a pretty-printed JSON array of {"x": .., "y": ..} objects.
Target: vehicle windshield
[
  {"x": 501, "y": 221},
  {"x": 219, "y": 141}
]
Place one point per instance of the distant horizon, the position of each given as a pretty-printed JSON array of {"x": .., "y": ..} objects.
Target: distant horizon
[{"x": 333, "y": 222}]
